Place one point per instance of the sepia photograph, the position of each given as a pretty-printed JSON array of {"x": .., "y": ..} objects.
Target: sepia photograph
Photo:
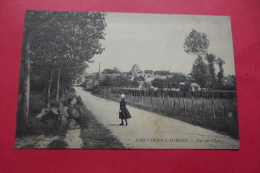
[{"x": 102, "y": 80}]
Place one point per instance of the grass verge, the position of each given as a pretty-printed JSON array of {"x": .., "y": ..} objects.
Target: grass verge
[
  {"x": 94, "y": 134},
  {"x": 57, "y": 144}
]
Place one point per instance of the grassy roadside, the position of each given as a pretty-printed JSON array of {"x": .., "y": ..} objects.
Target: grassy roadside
[
  {"x": 37, "y": 134},
  {"x": 221, "y": 124},
  {"x": 35, "y": 127},
  {"x": 94, "y": 134},
  {"x": 51, "y": 136}
]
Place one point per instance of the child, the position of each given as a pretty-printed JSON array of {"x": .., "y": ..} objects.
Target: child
[{"x": 123, "y": 112}]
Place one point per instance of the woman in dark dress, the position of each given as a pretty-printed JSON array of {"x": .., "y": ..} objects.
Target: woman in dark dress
[{"x": 123, "y": 112}]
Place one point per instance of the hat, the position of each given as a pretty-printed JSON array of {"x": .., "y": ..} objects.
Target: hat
[{"x": 122, "y": 96}]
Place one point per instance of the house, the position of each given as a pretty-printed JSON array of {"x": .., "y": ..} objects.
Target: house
[
  {"x": 182, "y": 83},
  {"x": 194, "y": 87},
  {"x": 149, "y": 80}
]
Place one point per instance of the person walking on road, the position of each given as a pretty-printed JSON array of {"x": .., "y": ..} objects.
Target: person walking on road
[{"x": 123, "y": 112}]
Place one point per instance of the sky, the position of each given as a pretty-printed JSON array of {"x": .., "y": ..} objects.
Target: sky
[{"x": 155, "y": 42}]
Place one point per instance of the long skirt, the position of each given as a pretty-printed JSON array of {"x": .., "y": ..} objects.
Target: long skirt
[{"x": 124, "y": 114}]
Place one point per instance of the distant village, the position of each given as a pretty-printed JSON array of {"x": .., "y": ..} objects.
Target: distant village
[{"x": 146, "y": 79}]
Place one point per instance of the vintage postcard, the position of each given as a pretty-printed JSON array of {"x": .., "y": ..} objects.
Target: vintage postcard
[{"x": 96, "y": 80}]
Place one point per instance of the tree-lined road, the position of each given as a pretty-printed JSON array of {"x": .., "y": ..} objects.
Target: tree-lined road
[{"x": 148, "y": 130}]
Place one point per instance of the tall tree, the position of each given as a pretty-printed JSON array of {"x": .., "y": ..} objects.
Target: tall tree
[
  {"x": 220, "y": 75},
  {"x": 211, "y": 62},
  {"x": 68, "y": 41},
  {"x": 200, "y": 72},
  {"x": 33, "y": 21},
  {"x": 135, "y": 83},
  {"x": 196, "y": 43},
  {"x": 63, "y": 41}
]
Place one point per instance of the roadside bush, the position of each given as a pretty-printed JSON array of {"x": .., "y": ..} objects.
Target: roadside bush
[
  {"x": 95, "y": 91},
  {"x": 37, "y": 127},
  {"x": 72, "y": 91},
  {"x": 36, "y": 104}
]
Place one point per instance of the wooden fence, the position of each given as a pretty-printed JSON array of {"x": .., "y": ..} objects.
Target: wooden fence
[
  {"x": 213, "y": 110},
  {"x": 176, "y": 103},
  {"x": 162, "y": 93}
]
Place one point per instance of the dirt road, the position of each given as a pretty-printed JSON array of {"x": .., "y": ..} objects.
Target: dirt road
[{"x": 148, "y": 130}]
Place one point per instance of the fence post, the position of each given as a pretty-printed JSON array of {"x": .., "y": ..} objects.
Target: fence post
[
  {"x": 203, "y": 107},
  {"x": 180, "y": 102},
  {"x": 169, "y": 103},
  {"x": 193, "y": 109},
  {"x": 184, "y": 105},
  {"x": 142, "y": 98},
  {"x": 174, "y": 103},
  {"x": 213, "y": 107}
]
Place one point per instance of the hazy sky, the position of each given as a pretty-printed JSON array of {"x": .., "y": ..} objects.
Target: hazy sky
[{"x": 155, "y": 41}]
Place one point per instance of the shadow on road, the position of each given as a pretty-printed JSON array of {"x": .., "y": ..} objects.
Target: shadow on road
[{"x": 113, "y": 125}]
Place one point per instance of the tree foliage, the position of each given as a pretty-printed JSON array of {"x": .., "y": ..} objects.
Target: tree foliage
[
  {"x": 111, "y": 71},
  {"x": 57, "y": 46},
  {"x": 162, "y": 72},
  {"x": 170, "y": 82},
  {"x": 107, "y": 81},
  {"x": 211, "y": 62},
  {"x": 196, "y": 43},
  {"x": 118, "y": 81},
  {"x": 200, "y": 72},
  {"x": 33, "y": 21},
  {"x": 220, "y": 63},
  {"x": 175, "y": 80},
  {"x": 68, "y": 42},
  {"x": 141, "y": 78},
  {"x": 159, "y": 83}
]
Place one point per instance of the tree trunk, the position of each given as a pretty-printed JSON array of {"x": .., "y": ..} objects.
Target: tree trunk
[
  {"x": 24, "y": 114},
  {"x": 58, "y": 85},
  {"x": 48, "y": 91},
  {"x": 62, "y": 87}
]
